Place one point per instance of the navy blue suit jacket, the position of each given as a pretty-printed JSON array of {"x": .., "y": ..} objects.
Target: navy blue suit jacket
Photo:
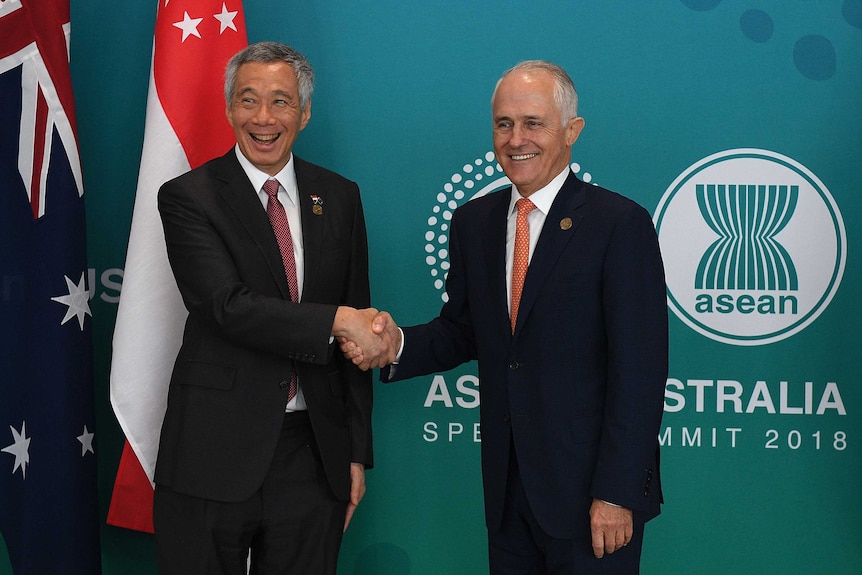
[{"x": 579, "y": 388}]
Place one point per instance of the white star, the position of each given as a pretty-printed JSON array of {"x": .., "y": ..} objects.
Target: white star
[
  {"x": 189, "y": 26},
  {"x": 20, "y": 449},
  {"x": 86, "y": 440},
  {"x": 78, "y": 301},
  {"x": 226, "y": 19}
]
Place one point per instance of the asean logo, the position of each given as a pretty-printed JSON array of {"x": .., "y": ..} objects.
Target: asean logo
[
  {"x": 754, "y": 246},
  {"x": 475, "y": 179}
]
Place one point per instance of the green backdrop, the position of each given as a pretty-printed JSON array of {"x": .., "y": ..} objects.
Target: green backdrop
[{"x": 756, "y": 482}]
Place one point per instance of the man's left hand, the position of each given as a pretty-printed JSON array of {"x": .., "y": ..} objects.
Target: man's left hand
[
  {"x": 357, "y": 490},
  {"x": 611, "y": 527}
]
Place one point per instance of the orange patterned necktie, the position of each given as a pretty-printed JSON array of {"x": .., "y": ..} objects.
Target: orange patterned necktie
[{"x": 522, "y": 256}]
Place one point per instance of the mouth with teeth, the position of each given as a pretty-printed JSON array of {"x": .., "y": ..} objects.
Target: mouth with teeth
[
  {"x": 523, "y": 156},
  {"x": 264, "y": 138}
]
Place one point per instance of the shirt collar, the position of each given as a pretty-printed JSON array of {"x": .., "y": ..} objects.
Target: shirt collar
[
  {"x": 543, "y": 197},
  {"x": 286, "y": 177}
]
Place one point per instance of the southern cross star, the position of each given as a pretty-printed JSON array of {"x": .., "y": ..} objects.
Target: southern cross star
[
  {"x": 20, "y": 449},
  {"x": 86, "y": 440}
]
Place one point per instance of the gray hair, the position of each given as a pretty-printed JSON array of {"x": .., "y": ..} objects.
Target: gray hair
[
  {"x": 268, "y": 52},
  {"x": 565, "y": 95}
]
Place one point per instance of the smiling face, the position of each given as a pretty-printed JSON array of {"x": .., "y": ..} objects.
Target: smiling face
[
  {"x": 265, "y": 113},
  {"x": 530, "y": 140}
]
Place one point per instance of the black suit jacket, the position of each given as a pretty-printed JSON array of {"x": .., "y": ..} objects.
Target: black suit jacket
[
  {"x": 578, "y": 389},
  {"x": 243, "y": 335}
]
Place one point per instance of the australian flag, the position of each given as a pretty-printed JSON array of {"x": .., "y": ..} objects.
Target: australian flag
[{"x": 49, "y": 514}]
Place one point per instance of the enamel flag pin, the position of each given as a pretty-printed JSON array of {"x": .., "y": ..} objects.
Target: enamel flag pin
[{"x": 317, "y": 205}]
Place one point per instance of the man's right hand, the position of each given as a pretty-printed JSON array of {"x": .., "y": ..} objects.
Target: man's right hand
[{"x": 382, "y": 352}]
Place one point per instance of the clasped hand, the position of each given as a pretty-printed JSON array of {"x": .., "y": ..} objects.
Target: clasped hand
[{"x": 367, "y": 337}]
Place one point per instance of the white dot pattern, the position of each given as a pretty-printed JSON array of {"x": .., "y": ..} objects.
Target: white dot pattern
[{"x": 521, "y": 257}]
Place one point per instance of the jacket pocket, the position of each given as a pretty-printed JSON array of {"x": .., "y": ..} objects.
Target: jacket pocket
[{"x": 204, "y": 374}]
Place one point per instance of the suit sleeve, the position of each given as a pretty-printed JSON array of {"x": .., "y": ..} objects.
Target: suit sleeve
[
  {"x": 448, "y": 340},
  {"x": 216, "y": 271},
  {"x": 635, "y": 310}
]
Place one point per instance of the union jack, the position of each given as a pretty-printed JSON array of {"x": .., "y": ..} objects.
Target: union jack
[{"x": 40, "y": 47}]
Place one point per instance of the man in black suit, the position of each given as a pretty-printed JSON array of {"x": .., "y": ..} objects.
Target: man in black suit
[
  {"x": 267, "y": 432},
  {"x": 573, "y": 370}
]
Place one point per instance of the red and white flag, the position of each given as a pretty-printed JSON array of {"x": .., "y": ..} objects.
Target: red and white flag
[{"x": 185, "y": 127}]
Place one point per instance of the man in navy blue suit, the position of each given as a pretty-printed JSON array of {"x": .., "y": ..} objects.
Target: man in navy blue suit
[{"x": 573, "y": 369}]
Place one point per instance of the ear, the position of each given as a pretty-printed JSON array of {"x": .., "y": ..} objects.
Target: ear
[
  {"x": 573, "y": 130},
  {"x": 306, "y": 116}
]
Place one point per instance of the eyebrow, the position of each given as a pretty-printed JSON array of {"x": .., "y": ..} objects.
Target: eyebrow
[
  {"x": 250, "y": 90},
  {"x": 527, "y": 117}
]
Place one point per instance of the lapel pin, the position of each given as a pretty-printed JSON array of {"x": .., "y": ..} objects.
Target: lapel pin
[
  {"x": 565, "y": 223},
  {"x": 317, "y": 205}
]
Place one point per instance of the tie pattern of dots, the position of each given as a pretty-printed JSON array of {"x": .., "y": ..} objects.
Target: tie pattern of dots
[
  {"x": 278, "y": 221},
  {"x": 522, "y": 256}
]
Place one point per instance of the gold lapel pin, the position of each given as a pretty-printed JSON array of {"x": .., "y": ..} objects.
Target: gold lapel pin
[
  {"x": 317, "y": 205},
  {"x": 565, "y": 223}
]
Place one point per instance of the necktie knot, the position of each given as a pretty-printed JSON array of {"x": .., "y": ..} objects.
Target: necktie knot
[
  {"x": 525, "y": 206},
  {"x": 271, "y": 188}
]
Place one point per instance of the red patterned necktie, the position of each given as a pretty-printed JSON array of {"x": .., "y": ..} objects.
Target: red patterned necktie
[
  {"x": 522, "y": 256},
  {"x": 278, "y": 221}
]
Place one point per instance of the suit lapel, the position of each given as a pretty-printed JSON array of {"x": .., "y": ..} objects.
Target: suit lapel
[
  {"x": 313, "y": 223},
  {"x": 240, "y": 195},
  {"x": 560, "y": 225},
  {"x": 494, "y": 254}
]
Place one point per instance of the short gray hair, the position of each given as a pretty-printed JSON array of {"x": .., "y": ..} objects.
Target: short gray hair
[
  {"x": 268, "y": 52},
  {"x": 565, "y": 95}
]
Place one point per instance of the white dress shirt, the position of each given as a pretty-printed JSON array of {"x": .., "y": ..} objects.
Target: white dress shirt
[
  {"x": 542, "y": 199},
  {"x": 288, "y": 195}
]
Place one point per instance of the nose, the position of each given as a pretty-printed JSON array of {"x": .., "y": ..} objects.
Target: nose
[
  {"x": 518, "y": 135},
  {"x": 263, "y": 115}
]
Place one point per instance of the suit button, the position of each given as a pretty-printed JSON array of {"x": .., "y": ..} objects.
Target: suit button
[
  {"x": 506, "y": 418},
  {"x": 514, "y": 365},
  {"x": 283, "y": 385}
]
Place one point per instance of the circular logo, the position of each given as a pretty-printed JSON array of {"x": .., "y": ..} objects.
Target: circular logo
[
  {"x": 476, "y": 179},
  {"x": 753, "y": 244}
]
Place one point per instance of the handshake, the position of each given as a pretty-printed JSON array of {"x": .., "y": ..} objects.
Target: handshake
[{"x": 367, "y": 337}]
